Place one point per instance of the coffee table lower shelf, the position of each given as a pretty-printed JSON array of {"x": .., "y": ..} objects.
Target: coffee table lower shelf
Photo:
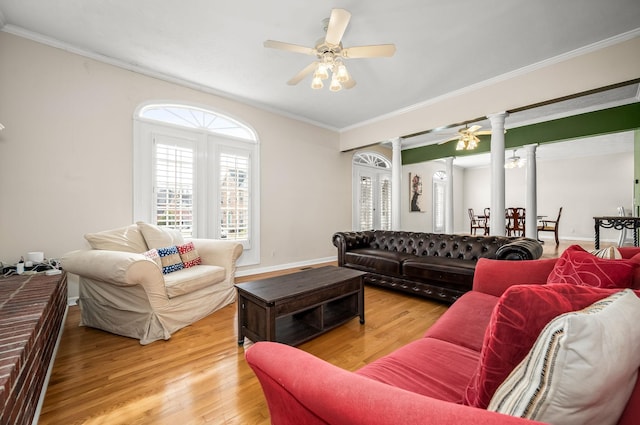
[{"x": 294, "y": 329}]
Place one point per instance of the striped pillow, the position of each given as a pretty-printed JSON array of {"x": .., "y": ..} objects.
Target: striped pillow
[
  {"x": 610, "y": 253},
  {"x": 170, "y": 259},
  {"x": 189, "y": 255},
  {"x": 581, "y": 370}
]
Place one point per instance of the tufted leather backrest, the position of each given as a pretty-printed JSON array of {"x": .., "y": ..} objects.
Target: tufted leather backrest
[{"x": 464, "y": 247}]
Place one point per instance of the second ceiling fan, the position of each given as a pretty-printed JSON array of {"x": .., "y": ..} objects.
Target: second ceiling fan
[
  {"x": 467, "y": 137},
  {"x": 330, "y": 54}
]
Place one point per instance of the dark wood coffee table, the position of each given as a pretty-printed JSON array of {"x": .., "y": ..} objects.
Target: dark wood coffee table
[{"x": 296, "y": 307}]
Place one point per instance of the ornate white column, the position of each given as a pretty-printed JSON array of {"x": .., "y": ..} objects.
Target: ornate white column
[
  {"x": 497, "y": 221},
  {"x": 448, "y": 218},
  {"x": 396, "y": 181},
  {"x": 531, "y": 200}
]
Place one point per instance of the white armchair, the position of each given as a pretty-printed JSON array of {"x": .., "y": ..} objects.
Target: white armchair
[{"x": 122, "y": 291}]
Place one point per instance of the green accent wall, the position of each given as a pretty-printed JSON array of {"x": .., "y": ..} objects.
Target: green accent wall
[{"x": 612, "y": 120}]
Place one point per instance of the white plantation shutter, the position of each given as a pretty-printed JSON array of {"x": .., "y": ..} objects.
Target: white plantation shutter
[
  {"x": 234, "y": 195},
  {"x": 366, "y": 203},
  {"x": 385, "y": 204},
  {"x": 174, "y": 187},
  {"x": 439, "y": 186}
]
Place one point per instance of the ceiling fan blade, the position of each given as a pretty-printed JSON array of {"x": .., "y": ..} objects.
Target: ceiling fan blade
[
  {"x": 349, "y": 84},
  {"x": 272, "y": 44},
  {"x": 474, "y": 128},
  {"x": 483, "y": 133},
  {"x": 376, "y": 51},
  {"x": 442, "y": 142},
  {"x": 300, "y": 75},
  {"x": 337, "y": 25}
]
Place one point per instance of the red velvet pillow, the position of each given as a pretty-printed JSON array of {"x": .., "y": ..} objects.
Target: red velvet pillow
[
  {"x": 580, "y": 267},
  {"x": 517, "y": 320},
  {"x": 636, "y": 275}
]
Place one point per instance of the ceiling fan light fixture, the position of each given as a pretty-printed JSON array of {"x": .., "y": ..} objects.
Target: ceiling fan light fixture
[
  {"x": 335, "y": 84},
  {"x": 322, "y": 71},
  {"x": 514, "y": 161},
  {"x": 316, "y": 83},
  {"x": 342, "y": 74}
]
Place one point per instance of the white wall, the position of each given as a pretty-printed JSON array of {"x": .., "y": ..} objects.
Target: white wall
[
  {"x": 66, "y": 158},
  {"x": 423, "y": 221},
  {"x": 585, "y": 187}
]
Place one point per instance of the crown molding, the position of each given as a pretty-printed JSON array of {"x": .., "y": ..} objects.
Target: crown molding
[
  {"x": 42, "y": 39},
  {"x": 503, "y": 77}
]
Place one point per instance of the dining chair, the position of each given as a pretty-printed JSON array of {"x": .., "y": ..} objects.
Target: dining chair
[
  {"x": 476, "y": 222},
  {"x": 550, "y": 226},
  {"x": 487, "y": 221},
  {"x": 515, "y": 221}
]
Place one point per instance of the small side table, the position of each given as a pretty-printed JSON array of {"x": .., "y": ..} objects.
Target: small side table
[{"x": 616, "y": 222}]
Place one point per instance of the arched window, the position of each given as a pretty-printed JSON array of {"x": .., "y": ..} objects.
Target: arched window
[
  {"x": 192, "y": 117},
  {"x": 372, "y": 190},
  {"x": 196, "y": 170},
  {"x": 439, "y": 200}
]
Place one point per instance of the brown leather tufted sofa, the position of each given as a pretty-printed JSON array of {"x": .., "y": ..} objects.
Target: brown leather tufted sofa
[{"x": 432, "y": 265}]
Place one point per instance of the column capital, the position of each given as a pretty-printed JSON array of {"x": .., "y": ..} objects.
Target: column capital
[
  {"x": 502, "y": 114},
  {"x": 396, "y": 141},
  {"x": 497, "y": 119}
]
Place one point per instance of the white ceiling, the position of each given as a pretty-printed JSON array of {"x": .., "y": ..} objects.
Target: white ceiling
[{"x": 217, "y": 45}]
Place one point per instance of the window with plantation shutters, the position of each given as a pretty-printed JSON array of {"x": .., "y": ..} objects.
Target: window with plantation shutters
[
  {"x": 439, "y": 188},
  {"x": 372, "y": 189},
  {"x": 173, "y": 187},
  {"x": 234, "y": 196},
  {"x": 196, "y": 170},
  {"x": 366, "y": 203},
  {"x": 385, "y": 203}
]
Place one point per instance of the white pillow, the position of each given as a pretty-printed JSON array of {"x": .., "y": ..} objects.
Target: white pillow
[
  {"x": 127, "y": 239},
  {"x": 581, "y": 370},
  {"x": 160, "y": 237}
]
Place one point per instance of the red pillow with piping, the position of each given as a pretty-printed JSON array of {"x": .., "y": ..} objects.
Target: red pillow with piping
[{"x": 579, "y": 267}]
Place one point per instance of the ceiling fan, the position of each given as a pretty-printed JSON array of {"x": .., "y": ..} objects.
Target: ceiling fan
[
  {"x": 331, "y": 54},
  {"x": 467, "y": 137}
]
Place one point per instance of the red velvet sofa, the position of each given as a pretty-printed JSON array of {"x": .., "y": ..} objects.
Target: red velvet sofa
[{"x": 427, "y": 381}]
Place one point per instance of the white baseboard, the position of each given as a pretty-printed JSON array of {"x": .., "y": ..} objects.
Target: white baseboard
[{"x": 279, "y": 267}]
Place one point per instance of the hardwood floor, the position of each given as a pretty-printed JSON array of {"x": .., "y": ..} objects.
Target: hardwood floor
[{"x": 199, "y": 376}]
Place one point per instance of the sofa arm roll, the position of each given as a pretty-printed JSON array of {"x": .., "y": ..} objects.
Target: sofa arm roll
[
  {"x": 112, "y": 267},
  {"x": 346, "y": 241},
  {"x": 303, "y": 389},
  {"x": 520, "y": 249},
  {"x": 217, "y": 252}
]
